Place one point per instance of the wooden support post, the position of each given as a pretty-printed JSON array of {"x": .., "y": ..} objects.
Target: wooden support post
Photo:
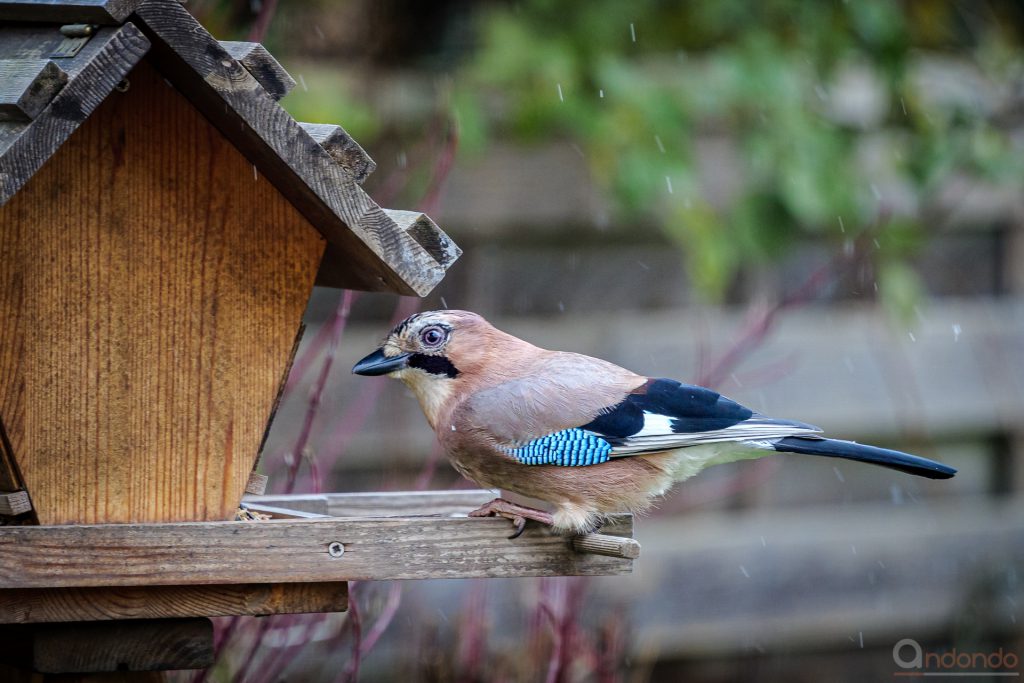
[
  {"x": 267, "y": 71},
  {"x": 27, "y": 86},
  {"x": 257, "y": 484},
  {"x": 108, "y": 646},
  {"x": 51, "y": 605},
  {"x": 14, "y": 503},
  {"x": 610, "y": 546}
]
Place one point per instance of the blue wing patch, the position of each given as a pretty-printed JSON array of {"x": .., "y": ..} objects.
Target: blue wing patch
[{"x": 567, "y": 448}]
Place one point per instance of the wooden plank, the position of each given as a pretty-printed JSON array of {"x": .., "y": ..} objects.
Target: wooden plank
[
  {"x": 102, "y": 64},
  {"x": 381, "y": 503},
  {"x": 49, "y": 605},
  {"x": 257, "y": 483},
  {"x": 142, "y": 645},
  {"x": 10, "y": 478},
  {"x": 68, "y": 11},
  {"x": 376, "y": 253},
  {"x": 288, "y": 551},
  {"x": 15, "y": 503},
  {"x": 258, "y": 61},
  {"x": 429, "y": 236},
  {"x": 27, "y": 86},
  {"x": 161, "y": 415},
  {"x": 343, "y": 148}
]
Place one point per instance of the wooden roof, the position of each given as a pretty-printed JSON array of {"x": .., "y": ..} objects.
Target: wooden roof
[{"x": 50, "y": 84}]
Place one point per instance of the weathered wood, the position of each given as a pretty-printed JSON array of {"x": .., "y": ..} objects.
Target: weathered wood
[
  {"x": 10, "y": 478},
  {"x": 68, "y": 11},
  {"x": 141, "y": 645},
  {"x": 49, "y": 605},
  {"x": 343, "y": 148},
  {"x": 27, "y": 86},
  {"x": 430, "y": 237},
  {"x": 15, "y": 503},
  {"x": 288, "y": 550},
  {"x": 98, "y": 68},
  {"x": 376, "y": 253},
  {"x": 257, "y": 484},
  {"x": 258, "y": 61},
  {"x": 603, "y": 544},
  {"x": 160, "y": 415},
  {"x": 380, "y": 504}
]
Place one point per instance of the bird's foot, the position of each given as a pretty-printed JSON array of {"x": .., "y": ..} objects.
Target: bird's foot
[{"x": 518, "y": 514}]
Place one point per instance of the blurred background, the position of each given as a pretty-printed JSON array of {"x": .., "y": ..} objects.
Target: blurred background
[{"x": 816, "y": 208}]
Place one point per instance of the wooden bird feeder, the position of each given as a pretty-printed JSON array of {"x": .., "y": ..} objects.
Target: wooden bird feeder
[{"x": 162, "y": 223}]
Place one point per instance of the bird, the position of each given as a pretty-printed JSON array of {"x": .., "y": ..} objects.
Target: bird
[{"x": 581, "y": 434}]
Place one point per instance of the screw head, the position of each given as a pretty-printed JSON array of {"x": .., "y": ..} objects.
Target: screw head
[{"x": 335, "y": 549}]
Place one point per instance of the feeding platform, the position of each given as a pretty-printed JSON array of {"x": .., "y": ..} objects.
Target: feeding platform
[{"x": 162, "y": 224}]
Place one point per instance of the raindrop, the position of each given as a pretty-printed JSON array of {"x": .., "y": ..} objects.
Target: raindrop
[
  {"x": 302, "y": 82},
  {"x": 643, "y": 265},
  {"x": 657, "y": 141},
  {"x": 443, "y": 302},
  {"x": 632, "y": 32},
  {"x": 453, "y": 428},
  {"x": 561, "y": 307},
  {"x": 956, "y": 332},
  {"x": 853, "y": 549},
  {"x": 904, "y": 105},
  {"x": 735, "y": 379},
  {"x": 875, "y": 191},
  {"x": 861, "y": 635},
  {"x": 668, "y": 183},
  {"x": 821, "y": 92},
  {"x": 896, "y": 494},
  {"x": 842, "y": 228},
  {"x": 912, "y": 337},
  {"x": 764, "y": 543},
  {"x": 402, "y": 159},
  {"x": 560, "y": 97},
  {"x": 600, "y": 93},
  {"x": 744, "y": 571},
  {"x": 839, "y": 475},
  {"x": 255, "y": 175}
]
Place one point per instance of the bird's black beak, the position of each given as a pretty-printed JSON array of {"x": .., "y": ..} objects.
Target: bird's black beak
[{"x": 379, "y": 364}]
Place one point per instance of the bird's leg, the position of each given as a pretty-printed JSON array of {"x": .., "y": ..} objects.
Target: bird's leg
[{"x": 499, "y": 507}]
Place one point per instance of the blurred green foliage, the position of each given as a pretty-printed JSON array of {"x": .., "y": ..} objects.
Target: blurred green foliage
[{"x": 635, "y": 83}]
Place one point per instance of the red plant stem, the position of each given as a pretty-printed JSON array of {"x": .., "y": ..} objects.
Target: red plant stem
[
  {"x": 263, "y": 19},
  {"x": 337, "y": 330},
  {"x": 351, "y": 672}
]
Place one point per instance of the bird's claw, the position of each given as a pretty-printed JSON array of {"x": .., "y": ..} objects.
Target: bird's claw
[{"x": 517, "y": 514}]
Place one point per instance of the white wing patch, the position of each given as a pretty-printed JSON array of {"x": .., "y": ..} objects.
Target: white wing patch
[{"x": 657, "y": 435}]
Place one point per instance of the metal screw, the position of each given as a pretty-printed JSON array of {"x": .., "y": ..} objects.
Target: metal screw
[{"x": 335, "y": 549}]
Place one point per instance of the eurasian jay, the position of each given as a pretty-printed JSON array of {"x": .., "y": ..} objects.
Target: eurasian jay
[{"x": 580, "y": 433}]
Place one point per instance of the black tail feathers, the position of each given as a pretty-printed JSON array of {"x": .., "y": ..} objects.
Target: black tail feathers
[{"x": 904, "y": 462}]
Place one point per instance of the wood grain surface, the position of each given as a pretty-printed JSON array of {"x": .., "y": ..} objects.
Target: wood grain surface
[
  {"x": 262, "y": 65},
  {"x": 374, "y": 252},
  {"x": 343, "y": 148},
  {"x": 27, "y": 86},
  {"x": 48, "y": 605},
  {"x": 279, "y": 551},
  {"x": 151, "y": 283}
]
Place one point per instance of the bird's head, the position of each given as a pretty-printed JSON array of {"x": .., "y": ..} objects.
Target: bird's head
[{"x": 436, "y": 353}]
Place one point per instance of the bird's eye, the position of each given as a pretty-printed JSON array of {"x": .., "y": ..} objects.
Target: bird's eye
[{"x": 432, "y": 336}]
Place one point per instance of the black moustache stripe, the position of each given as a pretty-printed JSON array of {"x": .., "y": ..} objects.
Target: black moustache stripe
[{"x": 435, "y": 365}]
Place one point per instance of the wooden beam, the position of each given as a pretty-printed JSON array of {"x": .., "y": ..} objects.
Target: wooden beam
[
  {"x": 15, "y": 503},
  {"x": 142, "y": 645},
  {"x": 343, "y": 149},
  {"x": 68, "y": 11},
  {"x": 427, "y": 234},
  {"x": 381, "y": 503},
  {"x": 276, "y": 551},
  {"x": 50, "y": 605},
  {"x": 257, "y": 483},
  {"x": 27, "y": 86},
  {"x": 258, "y": 61}
]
